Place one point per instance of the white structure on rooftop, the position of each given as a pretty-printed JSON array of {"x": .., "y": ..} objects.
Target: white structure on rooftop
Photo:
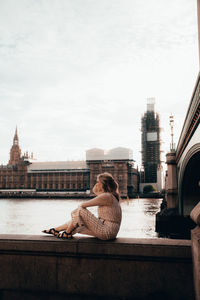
[{"x": 119, "y": 153}]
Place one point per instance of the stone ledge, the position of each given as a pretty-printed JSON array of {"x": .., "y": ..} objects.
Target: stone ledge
[
  {"x": 128, "y": 247},
  {"x": 123, "y": 268}
]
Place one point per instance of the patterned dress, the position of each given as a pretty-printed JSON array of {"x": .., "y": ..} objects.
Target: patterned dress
[{"x": 106, "y": 226}]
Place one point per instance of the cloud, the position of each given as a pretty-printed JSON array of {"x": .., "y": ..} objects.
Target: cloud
[{"x": 76, "y": 74}]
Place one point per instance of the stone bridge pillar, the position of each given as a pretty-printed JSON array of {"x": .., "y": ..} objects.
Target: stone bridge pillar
[
  {"x": 169, "y": 222},
  {"x": 195, "y": 237},
  {"x": 171, "y": 181}
]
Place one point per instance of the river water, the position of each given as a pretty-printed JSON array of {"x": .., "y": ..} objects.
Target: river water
[{"x": 30, "y": 216}]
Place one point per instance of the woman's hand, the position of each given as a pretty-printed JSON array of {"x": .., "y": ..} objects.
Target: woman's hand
[
  {"x": 98, "y": 188},
  {"x": 82, "y": 205},
  {"x": 101, "y": 200}
]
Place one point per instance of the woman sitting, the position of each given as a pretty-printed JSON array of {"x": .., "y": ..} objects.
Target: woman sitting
[{"x": 107, "y": 225}]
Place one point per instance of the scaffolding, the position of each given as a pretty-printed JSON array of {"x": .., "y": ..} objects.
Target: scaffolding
[{"x": 151, "y": 143}]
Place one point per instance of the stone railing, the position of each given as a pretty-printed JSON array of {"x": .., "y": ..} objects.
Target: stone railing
[
  {"x": 192, "y": 119},
  {"x": 87, "y": 268}
]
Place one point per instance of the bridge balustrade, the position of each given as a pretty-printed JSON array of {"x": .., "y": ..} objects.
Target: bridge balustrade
[{"x": 188, "y": 155}]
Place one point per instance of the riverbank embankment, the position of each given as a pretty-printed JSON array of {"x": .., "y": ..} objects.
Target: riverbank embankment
[
  {"x": 44, "y": 267},
  {"x": 44, "y": 195},
  {"x": 64, "y": 195}
]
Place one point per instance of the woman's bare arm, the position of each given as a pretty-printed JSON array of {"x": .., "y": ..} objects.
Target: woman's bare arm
[{"x": 101, "y": 200}]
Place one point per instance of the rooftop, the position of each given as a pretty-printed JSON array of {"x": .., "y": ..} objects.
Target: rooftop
[{"x": 57, "y": 165}]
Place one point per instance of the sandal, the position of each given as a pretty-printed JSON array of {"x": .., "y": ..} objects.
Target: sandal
[
  {"x": 65, "y": 235},
  {"x": 51, "y": 231}
]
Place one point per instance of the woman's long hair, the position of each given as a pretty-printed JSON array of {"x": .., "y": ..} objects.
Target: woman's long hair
[{"x": 109, "y": 184}]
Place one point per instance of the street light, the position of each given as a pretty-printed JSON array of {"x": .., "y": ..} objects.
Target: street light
[{"x": 171, "y": 123}]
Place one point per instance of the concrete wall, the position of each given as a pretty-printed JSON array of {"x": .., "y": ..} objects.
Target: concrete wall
[
  {"x": 196, "y": 260},
  {"x": 44, "y": 267}
]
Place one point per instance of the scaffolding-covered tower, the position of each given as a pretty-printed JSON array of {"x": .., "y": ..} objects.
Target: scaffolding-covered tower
[{"x": 151, "y": 144}]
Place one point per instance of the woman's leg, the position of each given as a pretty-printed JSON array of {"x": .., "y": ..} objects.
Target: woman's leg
[
  {"x": 73, "y": 228},
  {"x": 68, "y": 232},
  {"x": 88, "y": 223},
  {"x": 55, "y": 231},
  {"x": 70, "y": 227},
  {"x": 83, "y": 230},
  {"x": 63, "y": 227}
]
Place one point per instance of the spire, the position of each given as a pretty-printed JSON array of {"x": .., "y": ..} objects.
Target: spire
[
  {"x": 16, "y": 139},
  {"x": 15, "y": 151}
]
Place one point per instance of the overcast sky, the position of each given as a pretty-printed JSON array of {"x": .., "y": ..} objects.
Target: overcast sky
[{"x": 75, "y": 74}]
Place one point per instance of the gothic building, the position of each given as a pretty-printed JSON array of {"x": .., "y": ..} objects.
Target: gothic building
[
  {"x": 15, "y": 151},
  {"x": 22, "y": 172}
]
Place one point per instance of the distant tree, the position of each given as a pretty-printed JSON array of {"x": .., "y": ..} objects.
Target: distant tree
[{"x": 148, "y": 189}]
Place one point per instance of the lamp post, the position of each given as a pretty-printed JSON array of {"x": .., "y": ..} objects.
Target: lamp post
[{"x": 171, "y": 123}]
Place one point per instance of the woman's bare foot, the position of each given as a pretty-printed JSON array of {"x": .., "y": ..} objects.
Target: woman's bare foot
[
  {"x": 51, "y": 231},
  {"x": 65, "y": 235}
]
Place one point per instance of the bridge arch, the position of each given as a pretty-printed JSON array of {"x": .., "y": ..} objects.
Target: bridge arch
[{"x": 189, "y": 180}]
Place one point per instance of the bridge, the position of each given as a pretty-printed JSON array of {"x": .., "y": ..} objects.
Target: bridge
[
  {"x": 182, "y": 182},
  {"x": 188, "y": 150},
  {"x": 183, "y": 164},
  {"x": 188, "y": 156}
]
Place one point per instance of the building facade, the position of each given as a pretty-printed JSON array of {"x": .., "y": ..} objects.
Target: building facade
[
  {"x": 22, "y": 172},
  {"x": 117, "y": 162}
]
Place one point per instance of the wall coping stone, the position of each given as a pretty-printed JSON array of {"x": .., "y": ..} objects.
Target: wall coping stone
[{"x": 88, "y": 246}]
